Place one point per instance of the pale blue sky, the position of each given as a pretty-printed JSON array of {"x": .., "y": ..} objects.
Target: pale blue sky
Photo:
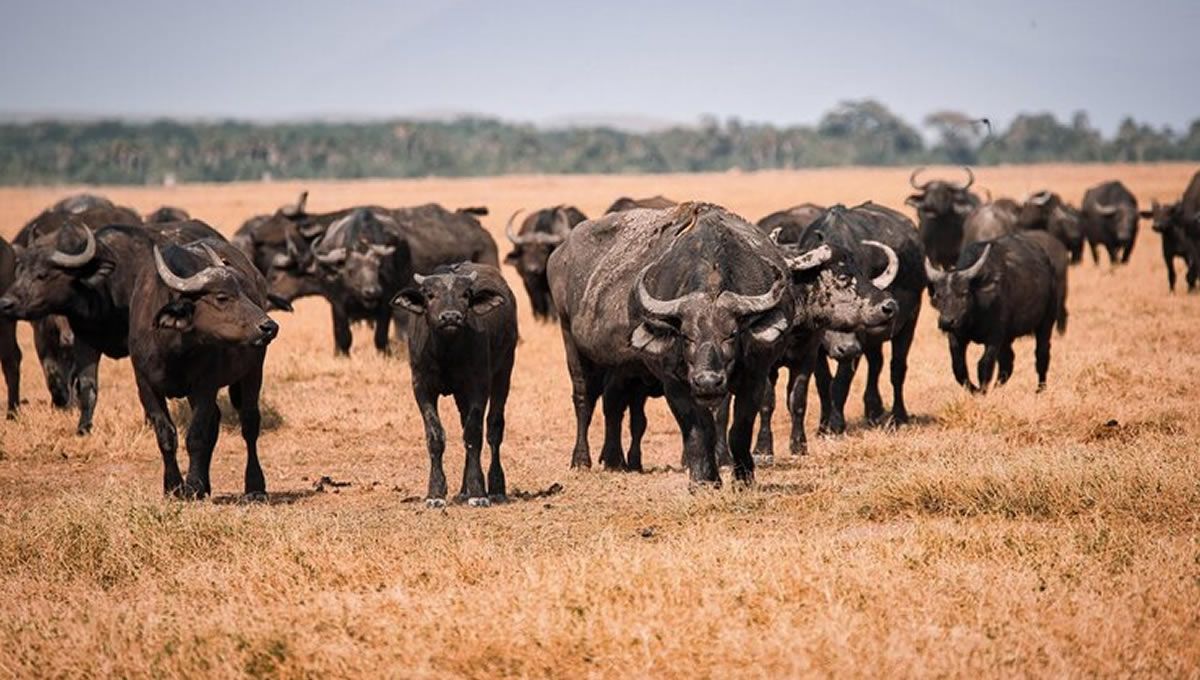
[{"x": 761, "y": 60}]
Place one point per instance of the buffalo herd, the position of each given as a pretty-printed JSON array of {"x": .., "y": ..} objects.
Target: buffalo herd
[{"x": 655, "y": 298}]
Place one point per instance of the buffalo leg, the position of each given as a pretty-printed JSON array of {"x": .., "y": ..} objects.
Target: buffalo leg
[
  {"x": 1042, "y": 355},
  {"x": 765, "y": 446},
  {"x": 250, "y": 418},
  {"x": 614, "y": 402},
  {"x": 1095, "y": 252},
  {"x": 987, "y": 364},
  {"x": 201, "y": 439},
  {"x": 587, "y": 384},
  {"x": 1170, "y": 261},
  {"x": 342, "y": 337},
  {"x": 872, "y": 400},
  {"x": 824, "y": 391},
  {"x": 721, "y": 421},
  {"x": 10, "y": 359},
  {"x": 699, "y": 430},
  {"x": 746, "y": 405},
  {"x": 1113, "y": 256},
  {"x": 901, "y": 344},
  {"x": 435, "y": 443},
  {"x": 155, "y": 407},
  {"x": 382, "y": 326},
  {"x": 958, "y": 362},
  {"x": 1193, "y": 273},
  {"x": 1127, "y": 251},
  {"x": 838, "y": 393},
  {"x": 48, "y": 342},
  {"x": 496, "y": 487},
  {"x": 470, "y": 413},
  {"x": 637, "y": 428},
  {"x": 87, "y": 384},
  {"x": 1005, "y": 358},
  {"x": 799, "y": 376}
]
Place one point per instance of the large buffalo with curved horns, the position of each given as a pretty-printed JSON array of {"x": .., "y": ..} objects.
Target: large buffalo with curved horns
[
  {"x": 1046, "y": 211},
  {"x": 540, "y": 233},
  {"x": 692, "y": 297},
  {"x": 942, "y": 208},
  {"x": 197, "y": 323},
  {"x": 1179, "y": 225},
  {"x": 1110, "y": 219},
  {"x": 88, "y": 278}
]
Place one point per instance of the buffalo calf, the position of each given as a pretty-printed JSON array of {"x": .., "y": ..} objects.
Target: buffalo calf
[{"x": 462, "y": 343}]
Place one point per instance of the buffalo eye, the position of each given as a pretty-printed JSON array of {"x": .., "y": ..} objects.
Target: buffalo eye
[{"x": 222, "y": 298}]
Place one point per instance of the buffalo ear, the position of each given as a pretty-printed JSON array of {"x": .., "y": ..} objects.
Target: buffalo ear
[
  {"x": 98, "y": 277},
  {"x": 176, "y": 315},
  {"x": 652, "y": 338},
  {"x": 769, "y": 327},
  {"x": 512, "y": 258},
  {"x": 279, "y": 303},
  {"x": 914, "y": 200},
  {"x": 484, "y": 301},
  {"x": 410, "y": 299}
]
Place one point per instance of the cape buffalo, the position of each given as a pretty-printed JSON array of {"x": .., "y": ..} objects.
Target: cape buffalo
[
  {"x": 886, "y": 246},
  {"x": 198, "y": 322},
  {"x": 540, "y": 233},
  {"x": 989, "y": 221},
  {"x": 462, "y": 344},
  {"x": 53, "y": 341},
  {"x": 1179, "y": 225},
  {"x": 362, "y": 261},
  {"x": 1059, "y": 259},
  {"x": 626, "y": 203},
  {"x": 999, "y": 291},
  {"x": 88, "y": 278},
  {"x": 10, "y": 351},
  {"x": 1046, "y": 211},
  {"x": 1110, "y": 219},
  {"x": 791, "y": 222},
  {"x": 166, "y": 214},
  {"x": 695, "y": 297},
  {"x": 941, "y": 209}
]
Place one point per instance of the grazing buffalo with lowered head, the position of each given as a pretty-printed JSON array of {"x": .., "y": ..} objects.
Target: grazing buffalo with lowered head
[
  {"x": 167, "y": 213},
  {"x": 361, "y": 262},
  {"x": 1046, "y": 211},
  {"x": 462, "y": 343},
  {"x": 942, "y": 207},
  {"x": 198, "y": 323},
  {"x": 626, "y": 203},
  {"x": 87, "y": 277},
  {"x": 1179, "y": 225},
  {"x": 540, "y": 233},
  {"x": 53, "y": 341},
  {"x": 1110, "y": 219},
  {"x": 10, "y": 351},
  {"x": 792, "y": 222},
  {"x": 999, "y": 291},
  {"x": 692, "y": 297},
  {"x": 886, "y": 246}
]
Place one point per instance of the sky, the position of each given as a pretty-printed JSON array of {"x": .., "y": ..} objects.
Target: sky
[{"x": 550, "y": 62}]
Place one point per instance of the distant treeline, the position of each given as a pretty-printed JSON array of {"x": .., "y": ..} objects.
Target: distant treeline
[{"x": 856, "y": 133}]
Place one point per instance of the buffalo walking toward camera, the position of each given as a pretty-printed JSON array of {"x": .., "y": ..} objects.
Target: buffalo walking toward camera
[
  {"x": 462, "y": 344},
  {"x": 540, "y": 233},
  {"x": 942, "y": 208},
  {"x": 1110, "y": 220}
]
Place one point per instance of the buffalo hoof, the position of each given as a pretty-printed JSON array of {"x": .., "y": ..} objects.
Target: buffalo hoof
[
  {"x": 435, "y": 502},
  {"x": 254, "y": 497},
  {"x": 799, "y": 448},
  {"x": 899, "y": 419},
  {"x": 11, "y": 415},
  {"x": 479, "y": 502},
  {"x": 581, "y": 462},
  {"x": 764, "y": 460},
  {"x": 497, "y": 498},
  {"x": 1041, "y": 387},
  {"x": 83, "y": 430}
]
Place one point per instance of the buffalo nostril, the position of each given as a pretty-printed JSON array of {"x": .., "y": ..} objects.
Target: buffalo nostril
[
  {"x": 372, "y": 293},
  {"x": 709, "y": 382},
  {"x": 451, "y": 317},
  {"x": 890, "y": 308},
  {"x": 269, "y": 327}
]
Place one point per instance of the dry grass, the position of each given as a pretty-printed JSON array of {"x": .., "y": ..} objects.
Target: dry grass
[{"x": 1014, "y": 534}]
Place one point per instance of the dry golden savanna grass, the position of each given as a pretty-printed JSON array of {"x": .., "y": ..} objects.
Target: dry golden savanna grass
[{"x": 1012, "y": 534}]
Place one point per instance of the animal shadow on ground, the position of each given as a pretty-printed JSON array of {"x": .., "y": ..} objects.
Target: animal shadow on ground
[{"x": 273, "y": 498}]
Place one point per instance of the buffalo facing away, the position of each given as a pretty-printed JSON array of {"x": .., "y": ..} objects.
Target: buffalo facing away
[
  {"x": 462, "y": 343},
  {"x": 540, "y": 233},
  {"x": 1179, "y": 225},
  {"x": 990, "y": 220},
  {"x": 1110, "y": 219},
  {"x": 10, "y": 351},
  {"x": 197, "y": 323},
  {"x": 942, "y": 207},
  {"x": 999, "y": 291},
  {"x": 695, "y": 297}
]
